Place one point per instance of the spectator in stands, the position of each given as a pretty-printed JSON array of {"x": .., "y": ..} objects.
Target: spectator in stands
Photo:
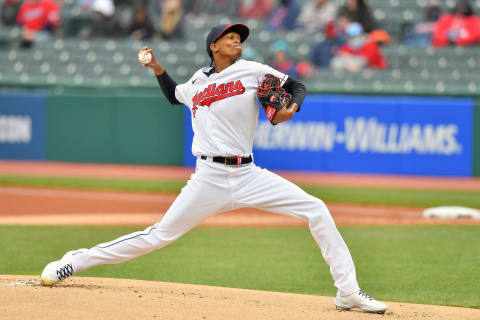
[
  {"x": 104, "y": 24},
  {"x": 85, "y": 4},
  {"x": 141, "y": 27},
  {"x": 195, "y": 7},
  {"x": 420, "y": 33},
  {"x": 461, "y": 27},
  {"x": 358, "y": 11},
  {"x": 228, "y": 8},
  {"x": 255, "y": 9},
  {"x": 285, "y": 16},
  {"x": 40, "y": 20},
  {"x": 358, "y": 52},
  {"x": 280, "y": 60},
  {"x": 324, "y": 51},
  {"x": 305, "y": 70},
  {"x": 316, "y": 14},
  {"x": 9, "y": 12},
  {"x": 154, "y": 11},
  {"x": 172, "y": 21}
]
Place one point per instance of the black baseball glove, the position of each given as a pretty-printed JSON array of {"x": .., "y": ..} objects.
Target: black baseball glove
[{"x": 272, "y": 96}]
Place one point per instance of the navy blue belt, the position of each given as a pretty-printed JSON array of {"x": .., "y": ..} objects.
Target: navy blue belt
[{"x": 231, "y": 161}]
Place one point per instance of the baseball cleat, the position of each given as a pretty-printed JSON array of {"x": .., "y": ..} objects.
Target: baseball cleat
[
  {"x": 58, "y": 270},
  {"x": 360, "y": 300}
]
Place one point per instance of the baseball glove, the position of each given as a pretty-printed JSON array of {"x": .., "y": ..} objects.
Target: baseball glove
[{"x": 272, "y": 96}]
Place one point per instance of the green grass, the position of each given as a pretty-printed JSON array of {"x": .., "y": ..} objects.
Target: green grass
[
  {"x": 399, "y": 197},
  {"x": 417, "y": 264},
  {"x": 161, "y": 186}
]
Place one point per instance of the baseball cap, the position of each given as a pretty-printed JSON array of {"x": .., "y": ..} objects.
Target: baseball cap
[
  {"x": 222, "y": 29},
  {"x": 279, "y": 45},
  {"x": 354, "y": 29}
]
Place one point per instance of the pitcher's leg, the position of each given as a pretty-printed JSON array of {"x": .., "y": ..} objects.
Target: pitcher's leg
[
  {"x": 268, "y": 191},
  {"x": 197, "y": 201}
]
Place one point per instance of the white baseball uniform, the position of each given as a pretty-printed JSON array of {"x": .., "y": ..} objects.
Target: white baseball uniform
[{"x": 224, "y": 113}]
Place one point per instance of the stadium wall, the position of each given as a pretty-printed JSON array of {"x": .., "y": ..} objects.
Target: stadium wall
[
  {"x": 114, "y": 129},
  {"x": 362, "y": 134},
  {"x": 90, "y": 128},
  {"x": 476, "y": 139}
]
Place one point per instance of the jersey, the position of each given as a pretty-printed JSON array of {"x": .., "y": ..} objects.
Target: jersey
[{"x": 224, "y": 107}]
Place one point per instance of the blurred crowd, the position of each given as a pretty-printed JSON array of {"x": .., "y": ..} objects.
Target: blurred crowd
[{"x": 350, "y": 37}]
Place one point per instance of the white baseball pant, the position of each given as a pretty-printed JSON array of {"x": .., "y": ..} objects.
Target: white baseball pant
[{"x": 214, "y": 188}]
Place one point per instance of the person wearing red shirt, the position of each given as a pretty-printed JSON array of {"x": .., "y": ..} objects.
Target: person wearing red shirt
[
  {"x": 255, "y": 9},
  {"x": 281, "y": 60},
  {"x": 38, "y": 15},
  {"x": 461, "y": 27},
  {"x": 358, "y": 52}
]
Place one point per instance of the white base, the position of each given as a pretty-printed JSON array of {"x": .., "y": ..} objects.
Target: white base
[{"x": 451, "y": 212}]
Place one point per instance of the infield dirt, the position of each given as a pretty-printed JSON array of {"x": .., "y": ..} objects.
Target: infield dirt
[{"x": 100, "y": 298}]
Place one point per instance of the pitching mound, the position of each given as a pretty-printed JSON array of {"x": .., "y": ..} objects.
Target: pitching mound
[{"x": 100, "y": 298}]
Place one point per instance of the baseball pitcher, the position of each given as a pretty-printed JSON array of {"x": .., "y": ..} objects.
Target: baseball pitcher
[{"x": 222, "y": 99}]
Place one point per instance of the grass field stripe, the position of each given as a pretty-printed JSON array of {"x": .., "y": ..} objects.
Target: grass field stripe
[{"x": 82, "y": 194}]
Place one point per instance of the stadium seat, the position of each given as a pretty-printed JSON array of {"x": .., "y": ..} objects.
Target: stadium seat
[{"x": 108, "y": 63}]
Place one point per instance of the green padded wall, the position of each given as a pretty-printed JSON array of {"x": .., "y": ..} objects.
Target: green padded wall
[{"x": 114, "y": 129}]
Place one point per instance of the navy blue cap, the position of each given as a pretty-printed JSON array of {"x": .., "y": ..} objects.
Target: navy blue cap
[{"x": 222, "y": 29}]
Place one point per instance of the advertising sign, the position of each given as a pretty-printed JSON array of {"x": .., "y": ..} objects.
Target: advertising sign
[
  {"x": 366, "y": 134},
  {"x": 22, "y": 126}
]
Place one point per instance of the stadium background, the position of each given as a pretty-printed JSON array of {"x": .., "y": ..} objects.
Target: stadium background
[
  {"x": 73, "y": 102},
  {"x": 59, "y": 88}
]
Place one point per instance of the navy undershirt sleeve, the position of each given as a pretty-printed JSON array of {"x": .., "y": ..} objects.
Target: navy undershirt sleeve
[
  {"x": 168, "y": 86},
  {"x": 296, "y": 89}
]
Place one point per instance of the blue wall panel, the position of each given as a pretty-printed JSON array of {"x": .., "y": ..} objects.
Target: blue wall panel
[
  {"x": 22, "y": 126},
  {"x": 365, "y": 134}
]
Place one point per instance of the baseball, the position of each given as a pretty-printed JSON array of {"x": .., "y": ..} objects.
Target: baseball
[{"x": 144, "y": 57}]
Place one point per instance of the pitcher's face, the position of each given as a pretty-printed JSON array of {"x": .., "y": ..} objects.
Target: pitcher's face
[{"x": 229, "y": 45}]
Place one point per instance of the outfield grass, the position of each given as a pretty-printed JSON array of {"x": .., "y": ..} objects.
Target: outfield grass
[
  {"x": 418, "y": 264},
  {"x": 361, "y": 195}
]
